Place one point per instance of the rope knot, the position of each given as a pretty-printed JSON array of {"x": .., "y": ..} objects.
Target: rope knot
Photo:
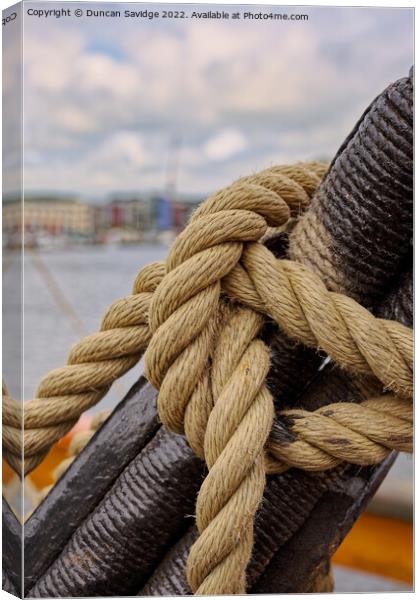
[
  {"x": 183, "y": 314},
  {"x": 199, "y": 314},
  {"x": 210, "y": 369}
]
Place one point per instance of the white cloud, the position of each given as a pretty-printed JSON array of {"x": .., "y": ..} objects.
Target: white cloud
[
  {"x": 237, "y": 94},
  {"x": 75, "y": 120},
  {"x": 225, "y": 144},
  {"x": 99, "y": 74},
  {"x": 122, "y": 148}
]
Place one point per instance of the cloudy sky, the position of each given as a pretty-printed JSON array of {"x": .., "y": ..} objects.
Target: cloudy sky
[{"x": 107, "y": 99}]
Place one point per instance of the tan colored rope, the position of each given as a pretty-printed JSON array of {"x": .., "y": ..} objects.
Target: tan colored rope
[
  {"x": 362, "y": 434},
  {"x": 218, "y": 245},
  {"x": 93, "y": 365},
  {"x": 227, "y": 418},
  {"x": 124, "y": 332},
  {"x": 62, "y": 302},
  {"x": 210, "y": 368},
  {"x": 237, "y": 429},
  {"x": 297, "y": 299},
  {"x": 99, "y": 359}
]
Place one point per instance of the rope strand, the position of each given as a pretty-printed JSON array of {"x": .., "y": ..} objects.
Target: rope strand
[{"x": 204, "y": 356}]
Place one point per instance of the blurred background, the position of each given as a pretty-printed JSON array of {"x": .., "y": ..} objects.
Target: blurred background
[{"x": 129, "y": 124}]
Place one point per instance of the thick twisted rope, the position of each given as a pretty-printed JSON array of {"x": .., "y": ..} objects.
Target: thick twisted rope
[
  {"x": 362, "y": 434},
  {"x": 236, "y": 432},
  {"x": 93, "y": 365},
  {"x": 183, "y": 318},
  {"x": 124, "y": 334},
  {"x": 366, "y": 199},
  {"x": 184, "y": 315},
  {"x": 297, "y": 299},
  {"x": 222, "y": 404},
  {"x": 98, "y": 360}
]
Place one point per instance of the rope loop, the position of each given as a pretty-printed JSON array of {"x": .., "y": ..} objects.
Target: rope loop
[{"x": 198, "y": 317}]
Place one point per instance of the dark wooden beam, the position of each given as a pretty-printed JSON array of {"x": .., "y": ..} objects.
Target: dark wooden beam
[
  {"x": 128, "y": 429},
  {"x": 12, "y": 548}
]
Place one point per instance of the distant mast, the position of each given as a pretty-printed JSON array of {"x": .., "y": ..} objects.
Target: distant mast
[
  {"x": 172, "y": 165},
  {"x": 168, "y": 217}
]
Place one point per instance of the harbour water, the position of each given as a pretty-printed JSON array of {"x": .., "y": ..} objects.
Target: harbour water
[{"x": 66, "y": 293}]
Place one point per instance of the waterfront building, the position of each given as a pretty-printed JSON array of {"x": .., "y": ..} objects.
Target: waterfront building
[{"x": 48, "y": 216}]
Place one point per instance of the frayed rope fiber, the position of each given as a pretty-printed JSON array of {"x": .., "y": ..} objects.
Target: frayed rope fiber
[{"x": 199, "y": 316}]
